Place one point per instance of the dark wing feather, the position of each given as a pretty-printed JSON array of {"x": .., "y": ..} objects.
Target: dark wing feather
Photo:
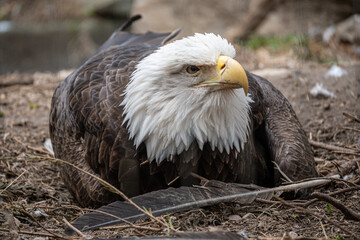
[
  {"x": 282, "y": 134},
  {"x": 171, "y": 200},
  {"x": 206, "y": 235},
  {"x": 86, "y": 119}
]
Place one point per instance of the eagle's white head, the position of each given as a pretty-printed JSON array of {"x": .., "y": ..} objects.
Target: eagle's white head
[{"x": 188, "y": 90}]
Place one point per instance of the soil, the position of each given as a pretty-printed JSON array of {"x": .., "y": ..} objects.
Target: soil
[{"x": 34, "y": 202}]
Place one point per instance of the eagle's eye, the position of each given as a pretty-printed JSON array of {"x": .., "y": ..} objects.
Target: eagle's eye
[{"x": 192, "y": 69}]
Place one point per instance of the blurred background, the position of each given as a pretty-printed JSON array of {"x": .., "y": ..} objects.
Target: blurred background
[{"x": 50, "y": 35}]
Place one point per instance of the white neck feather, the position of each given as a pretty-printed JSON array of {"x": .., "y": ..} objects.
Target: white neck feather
[{"x": 168, "y": 116}]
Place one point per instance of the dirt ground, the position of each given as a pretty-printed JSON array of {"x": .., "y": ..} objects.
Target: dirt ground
[{"x": 34, "y": 201}]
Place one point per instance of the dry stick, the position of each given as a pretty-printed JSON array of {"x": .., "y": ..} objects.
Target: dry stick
[
  {"x": 174, "y": 180},
  {"x": 332, "y": 147},
  {"x": 5, "y": 149},
  {"x": 195, "y": 175},
  {"x": 266, "y": 209},
  {"x": 277, "y": 167},
  {"x": 29, "y": 233},
  {"x": 76, "y": 230},
  {"x": 265, "y": 201},
  {"x": 12, "y": 182},
  {"x": 308, "y": 203},
  {"x": 351, "y": 117},
  {"x": 103, "y": 182},
  {"x": 346, "y": 168},
  {"x": 144, "y": 162},
  {"x": 38, "y": 150},
  {"x": 42, "y": 226},
  {"x": 353, "y": 129},
  {"x": 349, "y": 214},
  {"x": 304, "y": 210},
  {"x": 323, "y": 229},
  {"x": 349, "y": 153}
]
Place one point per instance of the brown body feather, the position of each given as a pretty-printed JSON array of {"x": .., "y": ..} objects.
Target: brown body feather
[{"x": 86, "y": 128}]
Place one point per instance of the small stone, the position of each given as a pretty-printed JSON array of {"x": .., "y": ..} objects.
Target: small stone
[
  {"x": 247, "y": 215},
  {"x": 234, "y": 218},
  {"x": 293, "y": 234},
  {"x": 326, "y": 107}
]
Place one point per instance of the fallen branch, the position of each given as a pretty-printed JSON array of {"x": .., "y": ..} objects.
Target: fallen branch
[
  {"x": 333, "y": 148},
  {"x": 348, "y": 213}
]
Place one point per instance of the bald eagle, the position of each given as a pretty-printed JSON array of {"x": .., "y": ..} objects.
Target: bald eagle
[{"x": 144, "y": 114}]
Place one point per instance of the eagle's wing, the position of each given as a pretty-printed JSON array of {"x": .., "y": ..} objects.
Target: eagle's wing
[
  {"x": 283, "y": 135},
  {"x": 86, "y": 119}
]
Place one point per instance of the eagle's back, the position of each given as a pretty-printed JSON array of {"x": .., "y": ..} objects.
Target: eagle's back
[{"x": 86, "y": 119}]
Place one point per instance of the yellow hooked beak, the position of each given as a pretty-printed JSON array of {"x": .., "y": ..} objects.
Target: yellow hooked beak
[{"x": 230, "y": 74}]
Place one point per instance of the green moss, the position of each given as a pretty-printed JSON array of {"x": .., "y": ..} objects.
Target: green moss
[
  {"x": 33, "y": 105},
  {"x": 275, "y": 43},
  {"x": 329, "y": 208}
]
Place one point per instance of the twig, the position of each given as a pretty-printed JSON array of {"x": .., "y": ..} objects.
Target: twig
[
  {"x": 144, "y": 162},
  {"x": 323, "y": 229},
  {"x": 174, "y": 180},
  {"x": 42, "y": 226},
  {"x": 29, "y": 233},
  {"x": 349, "y": 153},
  {"x": 308, "y": 203},
  {"x": 353, "y": 129},
  {"x": 261, "y": 200},
  {"x": 104, "y": 183},
  {"x": 351, "y": 117},
  {"x": 13, "y": 182},
  {"x": 76, "y": 230},
  {"x": 38, "y": 150},
  {"x": 277, "y": 167},
  {"x": 195, "y": 175},
  {"x": 5, "y": 149},
  {"x": 345, "y": 168},
  {"x": 266, "y": 209},
  {"x": 332, "y": 147},
  {"x": 307, "y": 211},
  {"x": 349, "y": 214}
]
